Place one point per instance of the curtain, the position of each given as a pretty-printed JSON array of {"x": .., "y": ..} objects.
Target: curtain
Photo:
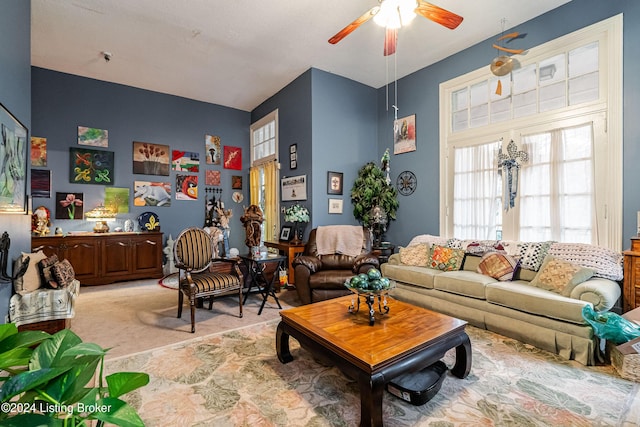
[
  {"x": 476, "y": 195},
  {"x": 271, "y": 201},
  {"x": 254, "y": 185},
  {"x": 554, "y": 204}
]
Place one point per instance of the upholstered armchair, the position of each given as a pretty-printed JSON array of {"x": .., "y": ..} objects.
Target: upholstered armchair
[{"x": 321, "y": 276}]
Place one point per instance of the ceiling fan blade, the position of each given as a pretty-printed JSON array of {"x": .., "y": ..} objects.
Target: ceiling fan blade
[
  {"x": 390, "y": 41},
  {"x": 355, "y": 24},
  {"x": 438, "y": 14}
]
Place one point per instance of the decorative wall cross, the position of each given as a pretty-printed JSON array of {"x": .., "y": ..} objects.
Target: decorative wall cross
[{"x": 509, "y": 168}]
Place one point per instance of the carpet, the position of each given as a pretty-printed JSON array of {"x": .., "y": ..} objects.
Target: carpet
[
  {"x": 235, "y": 379},
  {"x": 170, "y": 281}
]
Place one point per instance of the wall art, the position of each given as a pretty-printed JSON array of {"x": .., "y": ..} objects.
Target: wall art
[
  {"x": 213, "y": 149},
  {"x": 88, "y": 166},
  {"x": 117, "y": 199},
  {"x": 185, "y": 161},
  {"x": 186, "y": 187},
  {"x": 69, "y": 205},
  {"x": 150, "y": 159},
  {"x": 293, "y": 156},
  {"x": 334, "y": 182},
  {"x": 236, "y": 182},
  {"x": 38, "y": 151},
  {"x": 232, "y": 157},
  {"x": 92, "y": 136},
  {"x": 41, "y": 183},
  {"x": 212, "y": 177},
  {"x": 13, "y": 163},
  {"x": 335, "y": 206},
  {"x": 293, "y": 188},
  {"x": 148, "y": 193},
  {"x": 404, "y": 135}
]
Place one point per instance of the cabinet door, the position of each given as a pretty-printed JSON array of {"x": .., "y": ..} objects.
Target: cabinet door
[
  {"x": 84, "y": 256},
  {"x": 116, "y": 257},
  {"x": 50, "y": 246},
  {"x": 147, "y": 254}
]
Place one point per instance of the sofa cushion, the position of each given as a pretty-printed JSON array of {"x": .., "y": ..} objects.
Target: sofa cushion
[
  {"x": 63, "y": 273},
  {"x": 417, "y": 255},
  {"x": 446, "y": 259},
  {"x": 499, "y": 266},
  {"x": 30, "y": 281},
  {"x": 522, "y": 296},
  {"x": 560, "y": 276},
  {"x": 46, "y": 272},
  {"x": 417, "y": 276},
  {"x": 531, "y": 254},
  {"x": 467, "y": 283}
]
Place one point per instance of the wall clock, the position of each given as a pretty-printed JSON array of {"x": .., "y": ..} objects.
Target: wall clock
[{"x": 406, "y": 183}]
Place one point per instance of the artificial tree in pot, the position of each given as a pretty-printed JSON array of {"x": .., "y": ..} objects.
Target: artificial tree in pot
[{"x": 372, "y": 190}]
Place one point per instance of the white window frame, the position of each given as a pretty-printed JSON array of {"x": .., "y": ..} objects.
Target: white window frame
[{"x": 605, "y": 113}]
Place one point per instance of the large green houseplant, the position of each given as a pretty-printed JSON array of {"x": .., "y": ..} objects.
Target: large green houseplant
[
  {"x": 370, "y": 190},
  {"x": 48, "y": 380}
]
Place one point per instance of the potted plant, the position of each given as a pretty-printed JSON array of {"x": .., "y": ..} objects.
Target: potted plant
[
  {"x": 48, "y": 380},
  {"x": 374, "y": 199}
]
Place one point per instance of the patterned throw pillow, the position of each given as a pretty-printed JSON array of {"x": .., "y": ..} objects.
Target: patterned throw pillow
[
  {"x": 560, "y": 276},
  {"x": 63, "y": 273},
  {"x": 46, "y": 273},
  {"x": 417, "y": 255},
  {"x": 446, "y": 259},
  {"x": 499, "y": 266},
  {"x": 31, "y": 279},
  {"x": 531, "y": 254}
]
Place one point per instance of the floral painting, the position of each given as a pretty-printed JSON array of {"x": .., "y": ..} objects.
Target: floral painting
[
  {"x": 150, "y": 159},
  {"x": 186, "y": 187},
  {"x": 69, "y": 205},
  {"x": 147, "y": 193},
  {"x": 232, "y": 157},
  {"x": 92, "y": 136},
  {"x": 212, "y": 177},
  {"x": 212, "y": 149},
  {"x": 91, "y": 166},
  {"x": 41, "y": 183},
  {"x": 38, "y": 151},
  {"x": 185, "y": 161},
  {"x": 117, "y": 199}
]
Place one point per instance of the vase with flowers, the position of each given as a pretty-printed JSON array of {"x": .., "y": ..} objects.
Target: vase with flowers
[{"x": 296, "y": 214}]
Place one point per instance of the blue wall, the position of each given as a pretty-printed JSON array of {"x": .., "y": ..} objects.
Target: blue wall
[
  {"x": 418, "y": 94},
  {"x": 62, "y": 102},
  {"x": 15, "y": 95}
]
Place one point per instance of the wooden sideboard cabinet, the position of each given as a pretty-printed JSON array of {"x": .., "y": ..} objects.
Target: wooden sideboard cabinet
[
  {"x": 631, "y": 286},
  {"x": 103, "y": 258}
]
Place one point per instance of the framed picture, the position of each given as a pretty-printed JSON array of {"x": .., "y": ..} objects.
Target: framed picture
[
  {"x": 404, "y": 135},
  {"x": 236, "y": 182},
  {"x": 334, "y": 183},
  {"x": 212, "y": 149},
  {"x": 41, "y": 183},
  {"x": 147, "y": 193},
  {"x": 211, "y": 177},
  {"x": 38, "y": 151},
  {"x": 293, "y": 188},
  {"x": 335, "y": 206},
  {"x": 232, "y": 157},
  {"x": 293, "y": 156},
  {"x": 150, "y": 159},
  {"x": 13, "y": 163},
  {"x": 285, "y": 233},
  {"x": 93, "y": 137},
  {"x": 69, "y": 205},
  {"x": 91, "y": 166},
  {"x": 117, "y": 199},
  {"x": 185, "y": 161}
]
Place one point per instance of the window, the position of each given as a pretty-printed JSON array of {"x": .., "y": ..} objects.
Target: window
[
  {"x": 562, "y": 107},
  {"x": 263, "y": 175}
]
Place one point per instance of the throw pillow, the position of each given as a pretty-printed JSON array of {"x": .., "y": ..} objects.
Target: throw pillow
[
  {"x": 499, "y": 266},
  {"x": 31, "y": 279},
  {"x": 46, "y": 273},
  {"x": 560, "y": 276},
  {"x": 63, "y": 273},
  {"x": 417, "y": 255},
  {"x": 531, "y": 254},
  {"x": 446, "y": 259}
]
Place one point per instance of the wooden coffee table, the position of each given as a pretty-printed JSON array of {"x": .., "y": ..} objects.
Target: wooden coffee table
[{"x": 407, "y": 339}]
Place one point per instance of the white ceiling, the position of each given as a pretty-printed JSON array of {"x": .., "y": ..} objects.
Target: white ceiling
[{"x": 238, "y": 53}]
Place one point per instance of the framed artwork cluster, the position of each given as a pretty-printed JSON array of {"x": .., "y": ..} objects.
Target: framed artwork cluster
[{"x": 293, "y": 156}]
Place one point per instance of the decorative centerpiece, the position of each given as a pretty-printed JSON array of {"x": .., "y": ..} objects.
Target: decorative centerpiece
[
  {"x": 369, "y": 286},
  {"x": 296, "y": 214}
]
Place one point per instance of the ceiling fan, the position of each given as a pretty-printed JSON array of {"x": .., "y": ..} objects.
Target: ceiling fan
[{"x": 393, "y": 14}]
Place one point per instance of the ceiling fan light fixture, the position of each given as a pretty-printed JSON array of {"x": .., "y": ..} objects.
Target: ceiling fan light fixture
[{"x": 395, "y": 13}]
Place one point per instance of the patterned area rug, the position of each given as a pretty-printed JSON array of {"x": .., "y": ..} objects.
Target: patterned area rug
[
  {"x": 234, "y": 378},
  {"x": 169, "y": 281}
]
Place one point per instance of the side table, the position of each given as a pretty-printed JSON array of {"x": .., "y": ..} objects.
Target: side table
[
  {"x": 257, "y": 268},
  {"x": 291, "y": 251},
  {"x": 383, "y": 252}
]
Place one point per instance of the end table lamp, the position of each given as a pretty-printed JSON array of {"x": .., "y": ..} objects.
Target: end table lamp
[{"x": 100, "y": 215}]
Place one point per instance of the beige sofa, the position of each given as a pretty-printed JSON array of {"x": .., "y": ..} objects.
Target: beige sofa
[{"x": 515, "y": 308}]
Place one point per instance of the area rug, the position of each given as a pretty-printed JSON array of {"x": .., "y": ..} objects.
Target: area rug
[
  {"x": 170, "y": 281},
  {"x": 235, "y": 379}
]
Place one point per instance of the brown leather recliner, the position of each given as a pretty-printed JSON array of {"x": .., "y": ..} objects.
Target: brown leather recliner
[{"x": 322, "y": 277}]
